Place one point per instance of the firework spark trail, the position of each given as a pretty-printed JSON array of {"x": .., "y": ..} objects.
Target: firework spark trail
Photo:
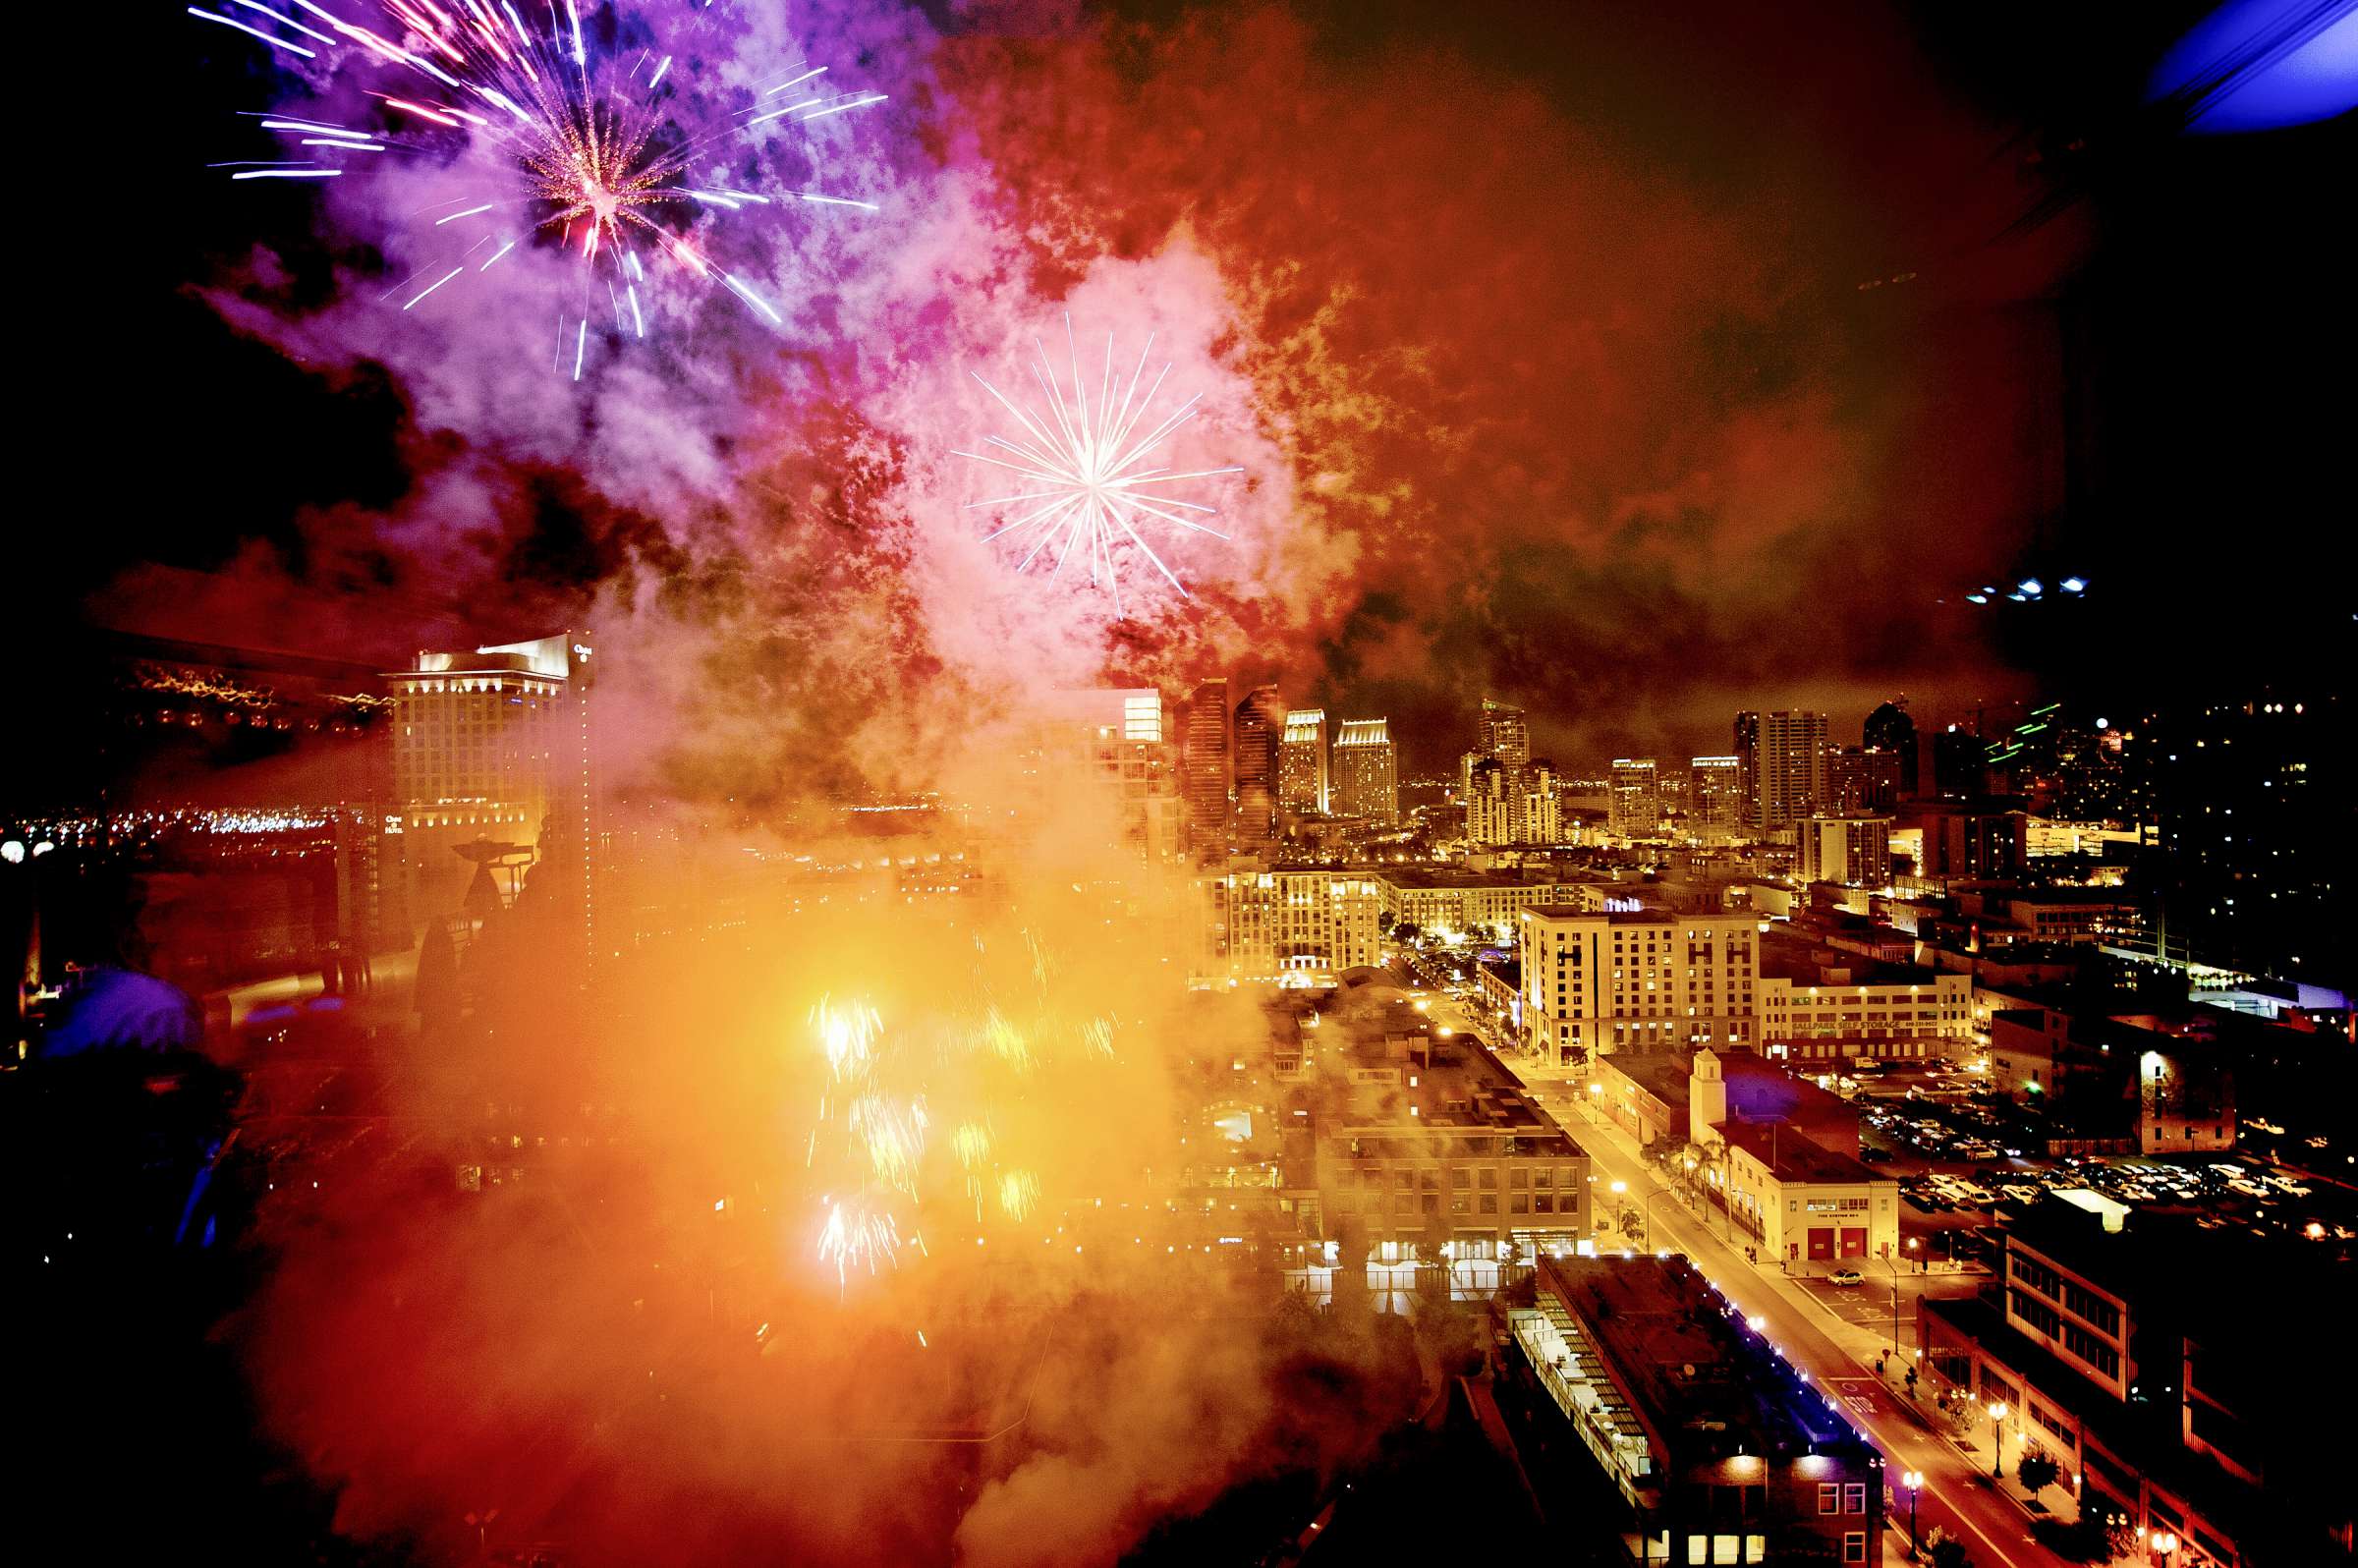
[
  {"x": 893, "y": 1133},
  {"x": 847, "y": 1036},
  {"x": 857, "y": 1236},
  {"x": 1081, "y": 461},
  {"x": 573, "y": 147}
]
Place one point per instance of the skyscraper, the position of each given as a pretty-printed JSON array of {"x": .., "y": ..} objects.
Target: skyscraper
[
  {"x": 1637, "y": 805},
  {"x": 1366, "y": 778},
  {"x": 1489, "y": 784},
  {"x": 1504, "y": 734},
  {"x": 1715, "y": 794},
  {"x": 1541, "y": 820},
  {"x": 1747, "y": 749},
  {"x": 1302, "y": 761},
  {"x": 1203, "y": 768},
  {"x": 491, "y": 754},
  {"x": 1889, "y": 729},
  {"x": 1792, "y": 768},
  {"x": 1119, "y": 739},
  {"x": 1260, "y": 729}
]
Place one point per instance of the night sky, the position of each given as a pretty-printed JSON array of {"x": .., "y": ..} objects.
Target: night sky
[{"x": 1545, "y": 334}]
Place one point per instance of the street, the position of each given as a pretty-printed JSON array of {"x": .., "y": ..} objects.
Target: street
[{"x": 1837, "y": 1349}]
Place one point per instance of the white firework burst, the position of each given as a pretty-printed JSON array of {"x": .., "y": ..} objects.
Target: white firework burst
[{"x": 1088, "y": 488}]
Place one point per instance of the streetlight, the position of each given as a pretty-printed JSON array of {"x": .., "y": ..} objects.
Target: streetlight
[
  {"x": 1659, "y": 1191},
  {"x": 1913, "y": 1480},
  {"x": 2165, "y": 1544},
  {"x": 1998, "y": 1439}
]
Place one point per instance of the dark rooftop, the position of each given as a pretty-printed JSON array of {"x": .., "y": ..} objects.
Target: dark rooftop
[
  {"x": 1805, "y": 963},
  {"x": 1706, "y": 1384},
  {"x": 1790, "y": 1155}
]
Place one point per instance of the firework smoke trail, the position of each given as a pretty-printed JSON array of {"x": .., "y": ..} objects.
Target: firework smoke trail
[
  {"x": 576, "y": 148},
  {"x": 1080, "y": 462}
]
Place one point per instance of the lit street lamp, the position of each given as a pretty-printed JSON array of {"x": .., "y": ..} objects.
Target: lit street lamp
[
  {"x": 2163, "y": 1545},
  {"x": 1998, "y": 1439},
  {"x": 1913, "y": 1480}
]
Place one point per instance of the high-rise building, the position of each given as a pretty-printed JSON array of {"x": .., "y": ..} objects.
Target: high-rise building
[
  {"x": 1302, "y": 761},
  {"x": 1505, "y": 733},
  {"x": 1855, "y": 851},
  {"x": 1716, "y": 799},
  {"x": 1889, "y": 730},
  {"x": 1491, "y": 811},
  {"x": 1792, "y": 768},
  {"x": 2251, "y": 845},
  {"x": 1634, "y": 980},
  {"x": 1259, "y": 730},
  {"x": 1542, "y": 822},
  {"x": 1204, "y": 768},
  {"x": 1367, "y": 775},
  {"x": 1747, "y": 751},
  {"x": 1960, "y": 764},
  {"x": 1120, "y": 737},
  {"x": 492, "y": 768},
  {"x": 1637, "y": 811},
  {"x": 1861, "y": 779}
]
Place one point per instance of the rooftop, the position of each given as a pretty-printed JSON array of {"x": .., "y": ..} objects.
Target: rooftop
[
  {"x": 1790, "y": 1155},
  {"x": 1804, "y": 963},
  {"x": 1706, "y": 1385},
  {"x": 1443, "y": 876}
]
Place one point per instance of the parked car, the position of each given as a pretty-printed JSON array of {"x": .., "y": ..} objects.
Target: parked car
[{"x": 1846, "y": 1276}]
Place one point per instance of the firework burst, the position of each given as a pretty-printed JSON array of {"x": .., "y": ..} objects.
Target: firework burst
[
  {"x": 559, "y": 144},
  {"x": 1084, "y": 462}
]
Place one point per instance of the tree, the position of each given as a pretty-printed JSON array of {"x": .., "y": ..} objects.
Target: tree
[
  {"x": 2037, "y": 1471},
  {"x": 1944, "y": 1551}
]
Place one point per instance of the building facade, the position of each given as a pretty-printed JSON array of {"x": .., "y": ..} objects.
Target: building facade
[
  {"x": 1268, "y": 925},
  {"x": 1365, "y": 771},
  {"x": 1791, "y": 768},
  {"x": 1634, "y": 980},
  {"x": 491, "y": 752},
  {"x": 1206, "y": 769},
  {"x": 1636, "y": 810},
  {"x": 1302, "y": 761},
  {"x": 1855, "y": 851}
]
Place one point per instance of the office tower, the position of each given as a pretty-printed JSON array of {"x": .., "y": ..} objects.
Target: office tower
[
  {"x": 1489, "y": 784},
  {"x": 1716, "y": 799},
  {"x": 1505, "y": 733},
  {"x": 1889, "y": 730},
  {"x": 2251, "y": 845},
  {"x": 1747, "y": 749},
  {"x": 1260, "y": 729},
  {"x": 1541, "y": 820},
  {"x": 1204, "y": 778},
  {"x": 1366, "y": 778},
  {"x": 1852, "y": 850},
  {"x": 1637, "y": 808},
  {"x": 1860, "y": 780},
  {"x": 492, "y": 780},
  {"x": 1792, "y": 768},
  {"x": 1960, "y": 765},
  {"x": 1120, "y": 740},
  {"x": 1302, "y": 761}
]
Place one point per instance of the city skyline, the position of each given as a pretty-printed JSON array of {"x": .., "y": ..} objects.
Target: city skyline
[{"x": 1128, "y": 784}]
